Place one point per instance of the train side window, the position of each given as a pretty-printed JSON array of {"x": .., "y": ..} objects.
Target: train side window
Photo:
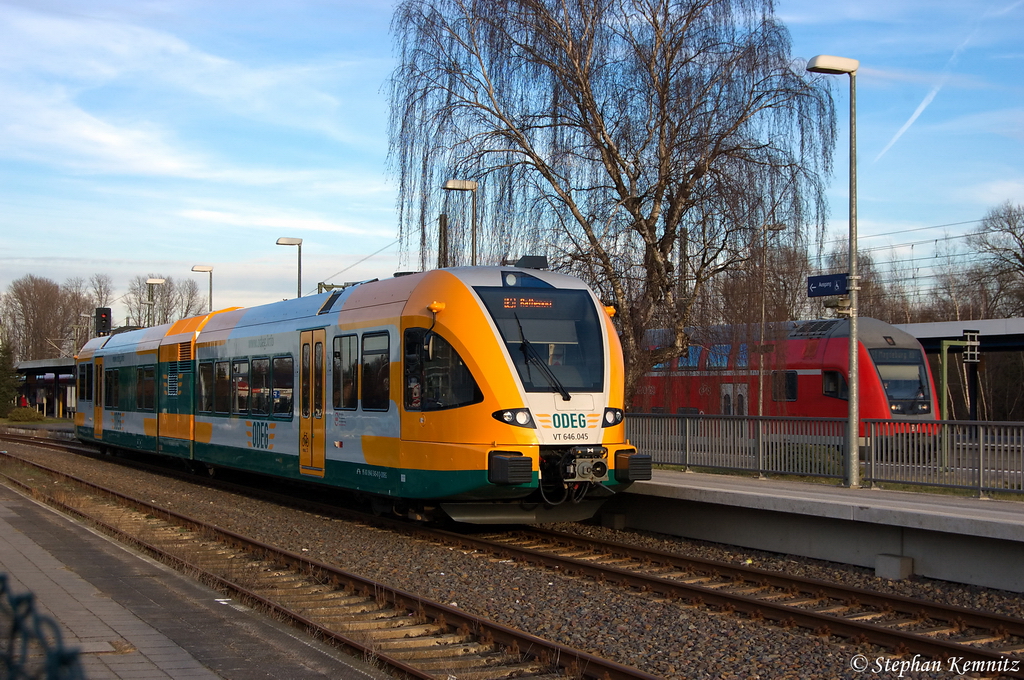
[
  {"x": 204, "y": 400},
  {"x": 783, "y": 385},
  {"x": 692, "y": 357},
  {"x": 110, "y": 388},
  {"x": 376, "y": 372},
  {"x": 85, "y": 382},
  {"x": 833, "y": 384},
  {"x": 718, "y": 356},
  {"x": 222, "y": 387},
  {"x": 345, "y": 374},
  {"x": 240, "y": 387},
  {"x": 742, "y": 356},
  {"x": 437, "y": 379},
  {"x": 259, "y": 387},
  {"x": 304, "y": 385},
  {"x": 318, "y": 380},
  {"x": 145, "y": 388},
  {"x": 284, "y": 385}
]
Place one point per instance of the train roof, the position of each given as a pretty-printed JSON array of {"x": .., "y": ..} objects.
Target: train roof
[
  {"x": 320, "y": 309},
  {"x": 869, "y": 331}
]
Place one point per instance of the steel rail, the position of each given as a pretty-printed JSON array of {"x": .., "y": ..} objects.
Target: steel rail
[
  {"x": 786, "y": 615},
  {"x": 576, "y": 663}
]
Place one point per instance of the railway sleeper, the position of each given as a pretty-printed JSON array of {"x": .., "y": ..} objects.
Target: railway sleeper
[
  {"x": 498, "y": 672},
  {"x": 464, "y": 661},
  {"x": 365, "y": 610},
  {"x": 445, "y": 639},
  {"x": 475, "y": 652},
  {"x": 864, "y": 616},
  {"x": 317, "y": 598},
  {"x": 349, "y": 624}
]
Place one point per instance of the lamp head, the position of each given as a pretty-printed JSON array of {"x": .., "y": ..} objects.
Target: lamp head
[{"x": 825, "y": 63}]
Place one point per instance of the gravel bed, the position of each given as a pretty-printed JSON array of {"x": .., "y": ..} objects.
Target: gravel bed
[{"x": 666, "y": 639}]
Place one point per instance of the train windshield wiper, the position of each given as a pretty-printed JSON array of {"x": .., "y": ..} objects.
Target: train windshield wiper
[{"x": 530, "y": 353}]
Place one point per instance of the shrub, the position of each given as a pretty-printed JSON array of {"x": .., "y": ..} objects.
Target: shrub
[{"x": 25, "y": 415}]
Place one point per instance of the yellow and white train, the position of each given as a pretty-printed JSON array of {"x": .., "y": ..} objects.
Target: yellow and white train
[{"x": 493, "y": 394}]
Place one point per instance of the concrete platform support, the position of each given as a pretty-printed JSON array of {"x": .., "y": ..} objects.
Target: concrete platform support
[
  {"x": 895, "y": 535},
  {"x": 894, "y": 567}
]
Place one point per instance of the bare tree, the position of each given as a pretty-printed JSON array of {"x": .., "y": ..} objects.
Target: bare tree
[
  {"x": 188, "y": 300},
  {"x": 152, "y": 304},
  {"x": 101, "y": 286},
  {"x": 1000, "y": 239},
  {"x": 642, "y": 143},
  {"x": 44, "y": 319}
]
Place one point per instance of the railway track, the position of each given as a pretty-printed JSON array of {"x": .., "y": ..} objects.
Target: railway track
[
  {"x": 410, "y": 635},
  {"x": 904, "y": 625}
]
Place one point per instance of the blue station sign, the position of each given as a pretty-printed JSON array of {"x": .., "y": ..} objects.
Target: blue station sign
[{"x": 828, "y": 284}]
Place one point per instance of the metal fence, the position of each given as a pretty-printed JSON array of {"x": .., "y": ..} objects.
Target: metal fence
[
  {"x": 969, "y": 455},
  {"x": 30, "y": 644}
]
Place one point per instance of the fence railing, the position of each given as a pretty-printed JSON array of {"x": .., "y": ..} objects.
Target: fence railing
[
  {"x": 30, "y": 644},
  {"x": 969, "y": 455}
]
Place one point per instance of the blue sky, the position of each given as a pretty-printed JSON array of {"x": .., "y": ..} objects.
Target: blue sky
[{"x": 142, "y": 137}]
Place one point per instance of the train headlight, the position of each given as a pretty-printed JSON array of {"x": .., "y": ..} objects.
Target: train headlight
[
  {"x": 612, "y": 417},
  {"x": 519, "y": 417}
]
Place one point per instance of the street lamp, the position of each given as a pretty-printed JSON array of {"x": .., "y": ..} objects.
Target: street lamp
[
  {"x": 286, "y": 241},
  {"x": 824, "y": 63},
  {"x": 151, "y": 283},
  {"x": 470, "y": 186},
  {"x": 209, "y": 269},
  {"x": 775, "y": 227}
]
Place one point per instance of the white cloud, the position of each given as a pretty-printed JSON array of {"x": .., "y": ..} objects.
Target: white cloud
[
  {"x": 58, "y": 72},
  {"x": 275, "y": 221}
]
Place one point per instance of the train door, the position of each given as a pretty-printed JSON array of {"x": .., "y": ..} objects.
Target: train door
[
  {"x": 312, "y": 384},
  {"x": 733, "y": 399},
  {"x": 97, "y": 402}
]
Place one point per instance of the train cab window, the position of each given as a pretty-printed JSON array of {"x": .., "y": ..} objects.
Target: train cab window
[
  {"x": 204, "y": 396},
  {"x": 691, "y": 359},
  {"x": 784, "y": 385},
  {"x": 833, "y": 384},
  {"x": 436, "y": 377},
  {"x": 284, "y": 385},
  {"x": 718, "y": 356},
  {"x": 554, "y": 338},
  {"x": 345, "y": 374},
  {"x": 222, "y": 387},
  {"x": 111, "y": 388},
  {"x": 259, "y": 387},
  {"x": 145, "y": 388},
  {"x": 376, "y": 372},
  {"x": 240, "y": 387}
]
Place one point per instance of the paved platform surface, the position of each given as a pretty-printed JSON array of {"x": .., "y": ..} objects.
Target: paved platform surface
[
  {"x": 134, "y": 618},
  {"x": 929, "y": 511}
]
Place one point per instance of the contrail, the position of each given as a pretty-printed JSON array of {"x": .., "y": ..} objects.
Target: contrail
[{"x": 934, "y": 91}]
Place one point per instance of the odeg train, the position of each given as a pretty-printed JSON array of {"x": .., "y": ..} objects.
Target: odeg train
[{"x": 486, "y": 394}]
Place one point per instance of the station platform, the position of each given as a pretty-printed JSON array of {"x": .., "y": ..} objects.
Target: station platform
[
  {"x": 897, "y": 533},
  {"x": 133, "y": 618}
]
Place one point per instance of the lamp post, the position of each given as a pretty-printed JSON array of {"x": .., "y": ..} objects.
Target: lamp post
[
  {"x": 470, "y": 186},
  {"x": 209, "y": 269},
  {"x": 286, "y": 241},
  {"x": 824, "y": 63},
  {"x": 151, "y": 283},
  {"x": 775, "y": 227}
]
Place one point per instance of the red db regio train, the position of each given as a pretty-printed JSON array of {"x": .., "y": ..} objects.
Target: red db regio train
[
  {"x": 486, "y": 394},
  {"x": 795, "y": 368}
]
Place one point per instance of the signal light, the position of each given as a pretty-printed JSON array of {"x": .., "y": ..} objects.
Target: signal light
[{"x": 103, "y": 321}]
